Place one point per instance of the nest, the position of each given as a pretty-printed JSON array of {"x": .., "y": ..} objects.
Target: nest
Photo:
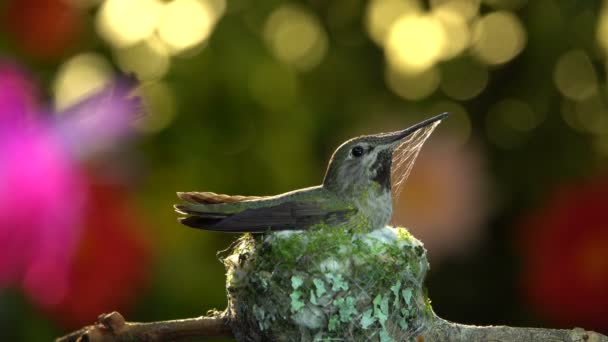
[{"x": 328, "y": 284}]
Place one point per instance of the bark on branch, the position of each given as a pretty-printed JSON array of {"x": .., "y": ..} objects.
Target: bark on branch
[
  {"x": 113, "y": 328},
  {"x": 442, "y": 330}
]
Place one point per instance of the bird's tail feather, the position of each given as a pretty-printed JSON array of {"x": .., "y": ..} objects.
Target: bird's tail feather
[
  {"x": 200, "y": 222},
  {"x": 186, "y": 209},
  {"x": 197, "y": 218}
]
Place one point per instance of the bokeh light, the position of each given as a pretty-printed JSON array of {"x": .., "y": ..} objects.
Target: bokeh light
[
  {"x": 602, "y": 29},
  {"x": 296, "y": 37},
  {"x": 506, "y": 4},
  {"x": 382, "y": 14},
  {"x": 80, "y": 76},
  {"x": 145, "y": 33},
  {"x": 453, "y": 16},
  {"x": 148, "y": 59},
  {"x": 498, "y": 37},
  {"x": 467, "y": 9},
  {"x": 160, "y": 105},
  {"x": 575, "y": 76},
  {"x": 569, "y": 115},
  {"x": 509, "y": 121},
  {"x": 516, "y": 114},
  {"x": 217, "y": 7},
  {"x": 415, "y": 43},
  {"x": 592, "y": 114},
  {"x": 413, "y": 86},
  {"x": 123, "y": 23},
  {"x": 185, "y": 23}
]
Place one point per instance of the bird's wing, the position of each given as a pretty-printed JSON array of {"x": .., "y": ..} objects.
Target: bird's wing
[{"x": 269, "y": 214}]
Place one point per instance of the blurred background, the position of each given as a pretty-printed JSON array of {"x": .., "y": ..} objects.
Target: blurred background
[{"x": 510, "y": 194}]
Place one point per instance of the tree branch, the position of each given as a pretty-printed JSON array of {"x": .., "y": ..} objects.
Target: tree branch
[
  {"x": 442, "y": 330},
  {"x": 112, "y": 327}
]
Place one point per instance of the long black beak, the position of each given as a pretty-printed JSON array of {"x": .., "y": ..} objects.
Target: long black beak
[{"x": 393, "y": 137}]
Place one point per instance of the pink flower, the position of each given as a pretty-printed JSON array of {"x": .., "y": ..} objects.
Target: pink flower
[
  {"x": 95, "y": 124},
  {"x": 18, "y": 96},
  {"x": 39, "y": 207},
  {"x": 112, "y": 260},
  {"x": 41, "y": 187}
]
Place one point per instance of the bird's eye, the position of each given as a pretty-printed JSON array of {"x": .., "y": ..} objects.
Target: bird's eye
[{"x": 357, "y": 151}]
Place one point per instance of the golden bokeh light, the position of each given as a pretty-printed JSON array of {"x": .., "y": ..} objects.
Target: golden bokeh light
[
  {"x": 602, "y": 29},
  {"x": 463, "y": 78},
  {"x": 569, "y": 115},
  {"x": 456, "y": 30},
  {"x": 382, "y": 14},
  {"x": 80, "y": 76},
  {"x": 458, "y": 126},
  {"x": 126, "y": 22},
  {"x": 592, "y": 114},
  {"x": 516, "y": 114},
  {"x": 159, "y": 101},
  {"x": 506, "y": 4},
  {"x": 413, "y": 86},
  {"x": 217, "y": 7},
  {"x": 467, "y": 9},
  {"x": 296, "y": 37},
  {"x": 185, "y": 23},
  {"x": 415, "y": 43},
  {"x": 575, "y": 76},
  {"x": 498, "y": 37},
  {"x": 148, "y": 60},
  {"x": 503, "y": 138},
  {"x": 509, "y": 121}
]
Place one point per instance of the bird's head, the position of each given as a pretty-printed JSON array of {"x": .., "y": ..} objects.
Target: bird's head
[{"x": 360, "y": 162}]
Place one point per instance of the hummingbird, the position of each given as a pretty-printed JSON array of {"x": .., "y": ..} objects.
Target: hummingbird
[{"x": 356, "y": 188}]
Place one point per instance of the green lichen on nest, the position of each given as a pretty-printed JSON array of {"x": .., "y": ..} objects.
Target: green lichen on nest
[{"x": 328, "y": 284}]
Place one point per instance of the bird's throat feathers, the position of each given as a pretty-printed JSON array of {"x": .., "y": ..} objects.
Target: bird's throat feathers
[
  {"x": 381, "y": 169},
  {"x": 371, "y": 174}
]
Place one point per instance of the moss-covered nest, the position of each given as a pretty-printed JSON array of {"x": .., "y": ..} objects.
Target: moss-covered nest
[{"x": 327, "y": 284}]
